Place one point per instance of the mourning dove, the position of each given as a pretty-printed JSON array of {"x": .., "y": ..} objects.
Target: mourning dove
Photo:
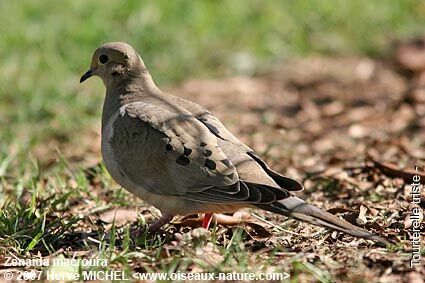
[{"x": 180, "y": 158}]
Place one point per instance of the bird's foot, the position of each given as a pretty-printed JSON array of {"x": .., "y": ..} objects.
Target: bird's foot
[
  {"x": 207, "y": 220},
  {"x": 154, "y": 227}
]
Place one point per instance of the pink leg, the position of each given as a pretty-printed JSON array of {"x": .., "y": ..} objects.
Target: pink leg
[
  {"x": 160, "y": 222},
  {"x": 207, "y": 220}
]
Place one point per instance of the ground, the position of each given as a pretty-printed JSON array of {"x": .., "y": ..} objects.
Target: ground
[{"x": 349, "y": 128}]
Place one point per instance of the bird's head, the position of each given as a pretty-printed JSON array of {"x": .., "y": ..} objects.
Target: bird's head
[{"x": 114, "y": 61}]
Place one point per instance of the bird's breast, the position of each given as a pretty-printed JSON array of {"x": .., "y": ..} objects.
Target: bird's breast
[
  {"x": 142, "y": 186},
  {"x": 108, "y": 153}
]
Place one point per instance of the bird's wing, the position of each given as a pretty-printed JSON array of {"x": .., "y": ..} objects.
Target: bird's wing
[
  {"x": 173, "y": 153},
  {"x": 253, "y": 163},
  {"x": 250, "y": 167}
]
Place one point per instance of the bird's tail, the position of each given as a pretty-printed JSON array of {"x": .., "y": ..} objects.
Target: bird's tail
[{"x": 298, "y": 209}]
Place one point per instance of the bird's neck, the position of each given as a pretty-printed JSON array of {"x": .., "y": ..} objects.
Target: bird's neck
[{"x": 129, "y": 90}]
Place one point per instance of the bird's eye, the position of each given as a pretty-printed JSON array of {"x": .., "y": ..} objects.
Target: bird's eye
[{"x": 103, "y": 59}]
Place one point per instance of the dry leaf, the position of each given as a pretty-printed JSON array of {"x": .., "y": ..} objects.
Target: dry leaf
[
  {"x": 361, "y": 219},
  {"x": 119, "y": 216}
]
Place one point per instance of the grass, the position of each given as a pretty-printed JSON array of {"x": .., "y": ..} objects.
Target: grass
[
  {"x": 46, "y": 45},
  {"x": 45, "y": 114}
]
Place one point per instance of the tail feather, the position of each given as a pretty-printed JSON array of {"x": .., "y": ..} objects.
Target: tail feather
[{"x": 298, "y": 209}]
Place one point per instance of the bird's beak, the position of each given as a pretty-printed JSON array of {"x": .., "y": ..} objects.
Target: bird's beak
[{"x": 87, "y": 75}]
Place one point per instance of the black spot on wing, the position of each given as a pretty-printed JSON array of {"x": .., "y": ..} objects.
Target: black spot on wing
[
  {"x": 210, "y": 164},
  {"x": 168, "y": 147},
  {"x": 207, "y": 152},
  {"x": 187, "y": 151},
  {"x": 202, "y": 144},
  {"x": 225, "y": 162},
  {"x": 210, "y": 127},
  {"x": 182, "y": 160}
]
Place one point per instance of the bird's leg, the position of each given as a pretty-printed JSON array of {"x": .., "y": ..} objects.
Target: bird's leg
[
  {"x": 160, "y": 222},
  {"x": 207, "y": 220}
]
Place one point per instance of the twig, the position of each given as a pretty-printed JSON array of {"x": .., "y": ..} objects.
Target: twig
[{"x": 392, "y": 170}]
